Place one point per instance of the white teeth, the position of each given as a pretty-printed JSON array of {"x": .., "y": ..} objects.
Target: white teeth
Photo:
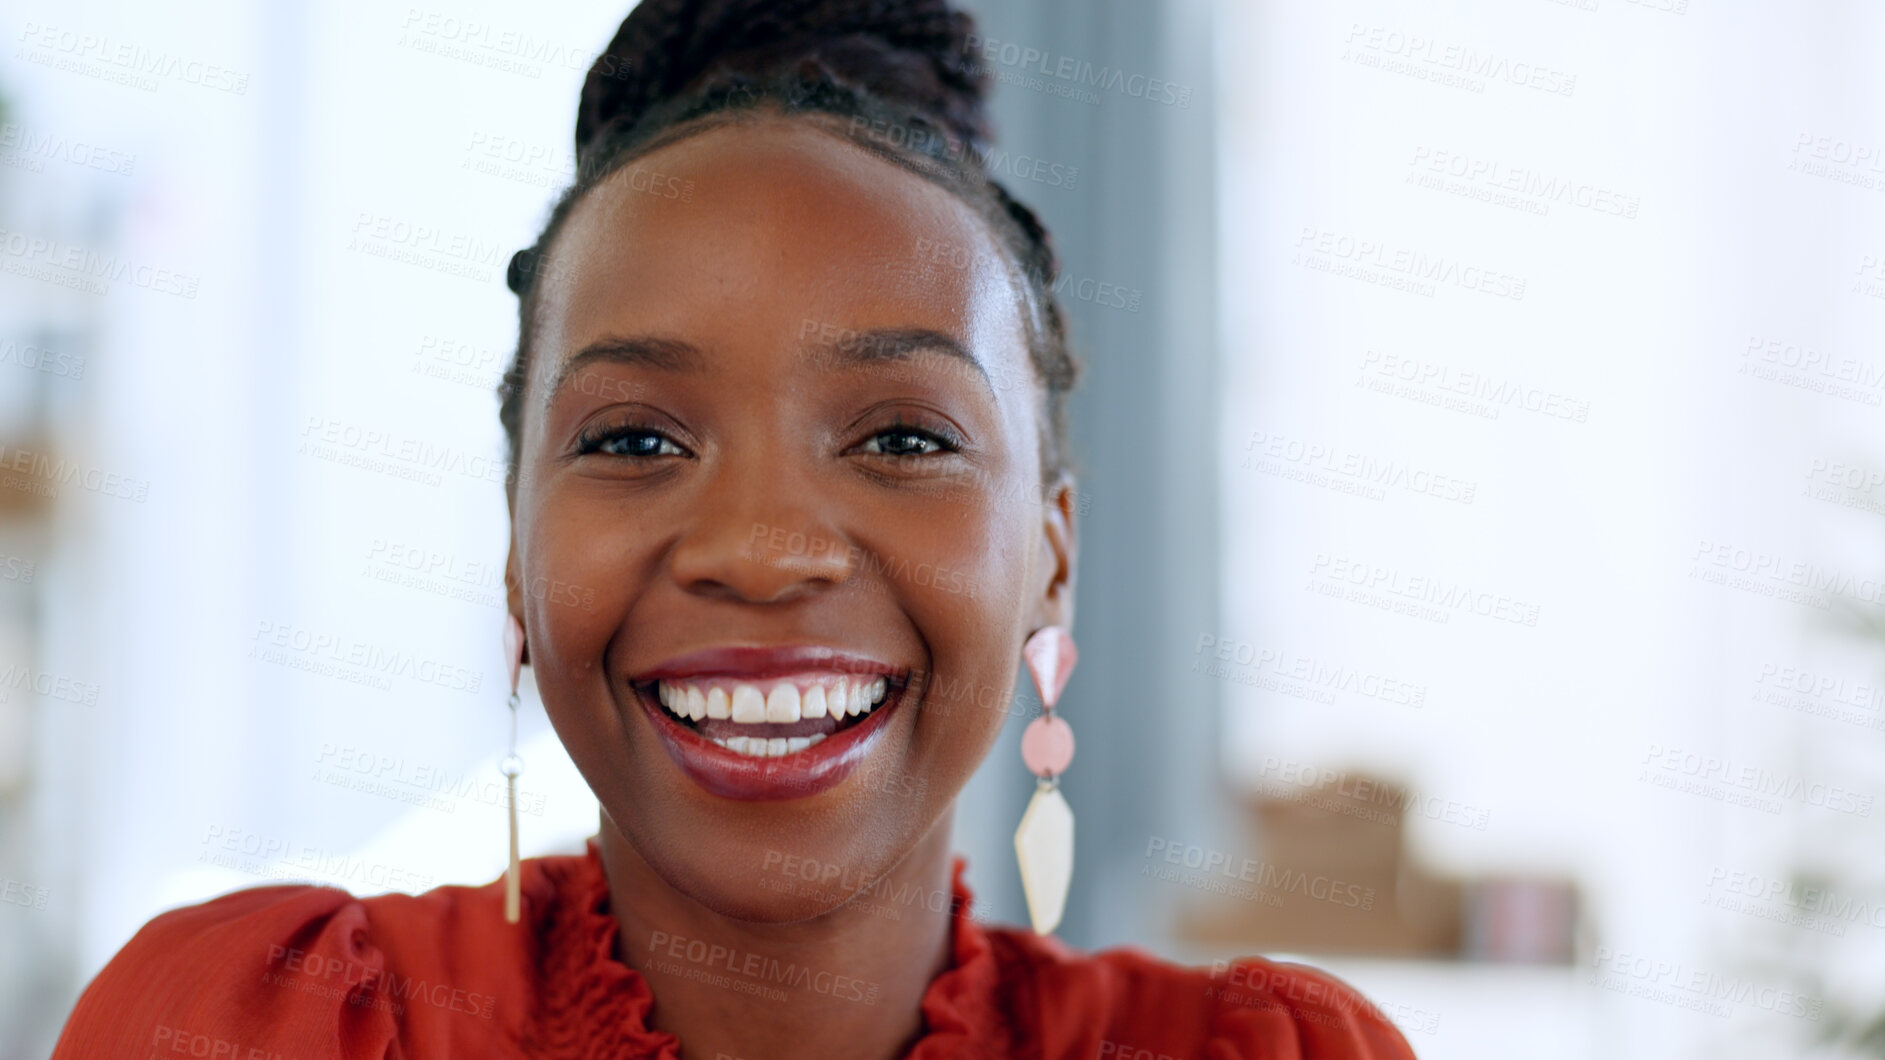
[
  {"x": 807, "y": 696},
  {"x": 749, "y": 707},
  {"x": 782, "y": 704},
  {"x": 675, "y": 698},
  {"x": 777, "y": 746}
]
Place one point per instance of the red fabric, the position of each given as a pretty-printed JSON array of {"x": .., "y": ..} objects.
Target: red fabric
[{"x": 303, "y": 973}]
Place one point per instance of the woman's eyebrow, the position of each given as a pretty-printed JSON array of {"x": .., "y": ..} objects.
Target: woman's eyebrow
[
  {"x": 888, "y": 345},
  {"x": 840, "y": 348},
  {"x": 649, "y": 351}
]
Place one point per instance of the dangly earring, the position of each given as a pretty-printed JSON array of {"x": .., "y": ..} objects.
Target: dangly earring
[
  {"x": 1044, "y": 842},
  {"x": 511, "y": 767}
]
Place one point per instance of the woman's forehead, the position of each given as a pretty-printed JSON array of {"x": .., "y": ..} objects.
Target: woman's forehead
[{"x": 773, "y": 222}]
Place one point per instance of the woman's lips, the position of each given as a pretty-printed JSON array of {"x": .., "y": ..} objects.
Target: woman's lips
[{"x": 769, "y": 723}]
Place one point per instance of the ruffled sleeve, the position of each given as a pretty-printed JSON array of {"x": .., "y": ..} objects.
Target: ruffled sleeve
[
  {"x": 265, "y": 972},
  {"x": 1266, "y": 1009},
  {"x": 1010, "y": 992}
]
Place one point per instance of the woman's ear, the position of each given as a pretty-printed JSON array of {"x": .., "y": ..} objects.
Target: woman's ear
[
  {"x": 1060, "y": 533},
  {"x": 514, "y": 592},
  {"x": 513, "y": 567}
]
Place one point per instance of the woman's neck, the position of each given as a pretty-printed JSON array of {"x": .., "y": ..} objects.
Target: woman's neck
[{"x": 844, "y": 986}]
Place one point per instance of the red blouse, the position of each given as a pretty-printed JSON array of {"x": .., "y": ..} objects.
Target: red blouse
[{"x": 304, "y": 973}]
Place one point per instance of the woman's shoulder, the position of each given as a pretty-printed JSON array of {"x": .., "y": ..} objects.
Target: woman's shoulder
[
  {"x": 1150, "y": 1007},
  {"x": 304, "y": 970},
  {"x": 232, "y": 977}
]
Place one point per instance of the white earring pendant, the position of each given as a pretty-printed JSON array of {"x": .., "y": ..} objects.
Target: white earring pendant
[{"x": 1044, "y": 847}]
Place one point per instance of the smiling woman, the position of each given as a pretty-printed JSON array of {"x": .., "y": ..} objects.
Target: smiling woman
[{"x": 771, "y": 309}]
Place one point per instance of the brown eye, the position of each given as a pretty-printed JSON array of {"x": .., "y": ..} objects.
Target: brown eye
[
  {"x": 904, "y": 440},
  {"x": 628, "y": 441}
]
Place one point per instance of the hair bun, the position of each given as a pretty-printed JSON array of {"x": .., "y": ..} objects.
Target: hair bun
[{"x": 914, "y": 53}]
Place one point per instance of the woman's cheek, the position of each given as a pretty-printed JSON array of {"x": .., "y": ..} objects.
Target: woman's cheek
[
  {"x": 969, "y": 547},
  {"x": 575, "y": 582}
]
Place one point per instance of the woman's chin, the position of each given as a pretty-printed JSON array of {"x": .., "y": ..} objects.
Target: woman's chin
[
  {"x": 761, "y": 907},
  {"x": 771, "y": 874},
  {"x": 772, "y": 896}
]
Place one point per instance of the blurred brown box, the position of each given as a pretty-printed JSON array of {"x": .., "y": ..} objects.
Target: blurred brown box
[{"x": 1334, "y": 877}]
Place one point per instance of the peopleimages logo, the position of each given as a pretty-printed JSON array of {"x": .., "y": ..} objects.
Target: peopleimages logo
[
  {"x": 1358, "y": 795},
  {"x": 1367, "y": 476},
  {"x": 1073, "y": 74},
  {"x": 993, "y": 160},
  {"x": 1445, "y": 596},
  {"x": 376, "y": 981},
  {"x": 1700, "y": 989},
  {"x": 500, "y": 47},
  {"x": 39, "y": 359},
  {"x": 757, "y": 968},
  {"x": 808, "y": 548},
  {"x": 1536, "y": 188},
  {"x": 337, "y": 655},
  {"x": 70, "y": 265},
  {"x": 25, "y": 895},
  {"x": 43, "y": 474},
  {"x": 336, "y": 440},
  {"x": 1445, "y": 62},
  {"x": 16, "y": 678},
  {"x": 1744, "y": 783},
  {"x": 17, "y": 569},
  {"x": 1207, "y": 865},
  {"x": 1314, "y": 674},
  {"x": 1400, "y": 268},
  {"x": 1479, "y": 393},
  {"x": 1789, "y": 893},
  {"x": 76, "y": 50},
  {"x": 35, "y": 145}
]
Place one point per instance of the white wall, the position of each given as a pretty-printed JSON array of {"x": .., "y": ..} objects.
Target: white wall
[{"x": 1698, "y": 224}]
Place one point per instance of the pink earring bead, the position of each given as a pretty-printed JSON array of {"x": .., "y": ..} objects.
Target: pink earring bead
[
  {"x": 1047, "y": 746},
  {"x": 1050, "y": 654}
]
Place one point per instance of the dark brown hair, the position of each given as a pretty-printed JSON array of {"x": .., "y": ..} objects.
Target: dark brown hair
[{"x": 893, "y": 76}]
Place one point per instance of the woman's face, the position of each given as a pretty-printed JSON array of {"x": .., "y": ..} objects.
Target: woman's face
[{"x": 780, "y": 445}]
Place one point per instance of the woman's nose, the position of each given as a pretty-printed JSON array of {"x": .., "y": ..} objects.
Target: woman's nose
[{"x": 760, "y": 536}]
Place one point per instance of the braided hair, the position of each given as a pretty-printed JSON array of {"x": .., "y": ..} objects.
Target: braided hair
[{"x": 890, "y": 75}]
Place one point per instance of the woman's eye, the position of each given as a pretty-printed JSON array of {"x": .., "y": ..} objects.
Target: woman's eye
[
  {"x": 907, "y": 441},
  {"x": 629, "y": 441}
]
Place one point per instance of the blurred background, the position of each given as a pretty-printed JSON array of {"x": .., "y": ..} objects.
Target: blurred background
[{"x": 1483, "y": 481}]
